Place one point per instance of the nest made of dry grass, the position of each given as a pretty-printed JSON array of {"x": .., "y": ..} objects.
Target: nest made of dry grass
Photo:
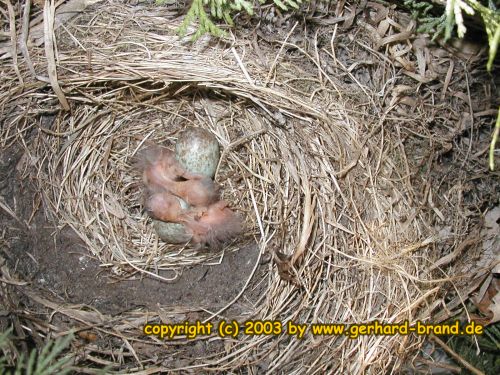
[{"x": 318, "y": 168}]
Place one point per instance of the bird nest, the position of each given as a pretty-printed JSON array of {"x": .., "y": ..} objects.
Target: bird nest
[{"x": 319, "y": 169}]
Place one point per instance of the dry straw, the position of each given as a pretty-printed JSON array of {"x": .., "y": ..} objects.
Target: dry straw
[{"x": 318, "y": 169}]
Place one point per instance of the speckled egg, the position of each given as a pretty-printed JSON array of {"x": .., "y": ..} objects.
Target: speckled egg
[
  {"x": 172, "y": 232},
  {"x": 197, "y": 150}
]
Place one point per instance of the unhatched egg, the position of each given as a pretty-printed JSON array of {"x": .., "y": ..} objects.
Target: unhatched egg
[
  {"x": 173, "y": 232},
  {"x": 197, "y": 150}
]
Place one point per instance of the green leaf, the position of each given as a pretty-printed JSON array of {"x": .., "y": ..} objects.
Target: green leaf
[
  {"x": 450, "y": 19},
  {"x": 293, "y": 4},
  {"x": 280, "y": 4}
]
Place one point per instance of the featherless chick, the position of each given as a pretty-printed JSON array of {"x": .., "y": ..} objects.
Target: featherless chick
[
  {"x": 162, "y": 171},
  {"x": 214, "y": 225}
]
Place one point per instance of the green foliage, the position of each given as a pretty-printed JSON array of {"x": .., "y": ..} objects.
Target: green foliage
[
  {"x": 424, "y": 12},
  {"x": 491, "y": 19},
  {"x": 488, "y": 360},
  {"x": 3, "y": 342},
  {"x": 288, "y": 3},
  {"x": 444, "y": 24},
  {"x": 205, "y": 11},
  {"x": 197, "y": 12},
  {"x": 43, "y": 363},
  {"x": 490, "y": 16}
]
